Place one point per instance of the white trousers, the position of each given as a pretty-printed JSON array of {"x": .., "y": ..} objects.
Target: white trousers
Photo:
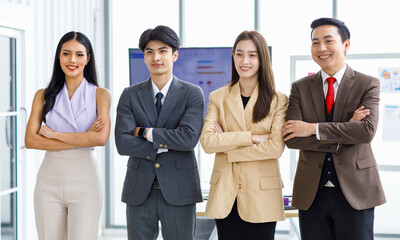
[{"x": 68, "y": 196}]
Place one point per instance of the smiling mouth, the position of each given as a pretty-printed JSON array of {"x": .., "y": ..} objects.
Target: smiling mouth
[
  {"x": 245, "y": 68},
  {"x": 324, "y": 56},
  {"x": 72, "y": 67}
]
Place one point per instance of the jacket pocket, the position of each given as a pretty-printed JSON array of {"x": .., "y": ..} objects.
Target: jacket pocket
[
  {"x": 366, "y": 162},
  {"x": 215, "y": 177},
  {"x": 271, "y": 182}
]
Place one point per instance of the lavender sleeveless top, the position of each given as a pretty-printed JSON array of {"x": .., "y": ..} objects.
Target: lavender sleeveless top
[{"x": 77, "y": 114}]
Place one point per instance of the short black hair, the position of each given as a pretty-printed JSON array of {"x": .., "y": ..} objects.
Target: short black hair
[
  {"x": 342, "y": 28},
  {"x": 161, "y": 33}
]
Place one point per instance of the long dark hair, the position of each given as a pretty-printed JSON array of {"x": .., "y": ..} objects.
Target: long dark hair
[
  {"x": 266, "y": 83},
  {"x": 58, "y": 77}
]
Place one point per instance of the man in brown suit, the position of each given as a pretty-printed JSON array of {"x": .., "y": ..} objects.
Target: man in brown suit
[{"x": 332, "y": 118}]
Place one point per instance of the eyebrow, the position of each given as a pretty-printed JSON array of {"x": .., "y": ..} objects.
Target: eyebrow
[
  {"x": 66, "y": 50},
  {"x": 157, "y": 49},
  {"x": 325, "y": 37},
  {"x": 238, "y": 50}
]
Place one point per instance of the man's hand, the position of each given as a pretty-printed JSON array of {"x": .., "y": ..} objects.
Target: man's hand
[
  {"x": 359, "y": 114},
  {"x": 296, "y": 128},
  {"x": 136, "y": 132}
]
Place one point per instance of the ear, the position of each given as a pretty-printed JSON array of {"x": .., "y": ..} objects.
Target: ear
[
  {"x": 175, "y": 55},
  {"x": 346, "y": 46},
  {"x": 88, "y": 59}
]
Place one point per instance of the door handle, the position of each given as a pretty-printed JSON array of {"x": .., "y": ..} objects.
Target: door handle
[
  {"x": 8, "y": 135},
  {"x": 23, "y": 122}
]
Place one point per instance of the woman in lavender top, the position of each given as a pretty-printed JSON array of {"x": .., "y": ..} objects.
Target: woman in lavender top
[{"x": 68, "y": 119}]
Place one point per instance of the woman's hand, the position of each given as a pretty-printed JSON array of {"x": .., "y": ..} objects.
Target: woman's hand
[
  {"x": 97, "y": 125},
  {"x": 217, "y": 128},
  {"x": 256, "y": 139},
  {"x": 45, "y": 131}
]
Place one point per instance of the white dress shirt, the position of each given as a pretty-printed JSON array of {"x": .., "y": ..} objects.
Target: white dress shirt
[
  {"x": 164, "y": 92},
  {"x": 338, "y": 76}
]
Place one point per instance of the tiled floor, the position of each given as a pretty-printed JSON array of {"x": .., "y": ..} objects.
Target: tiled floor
[{"x": 121, "y": 235}]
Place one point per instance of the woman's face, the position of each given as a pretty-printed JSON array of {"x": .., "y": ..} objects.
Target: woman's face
[
  {"x": 246, "y": 59},
  {"x": 73, "y": 59}
]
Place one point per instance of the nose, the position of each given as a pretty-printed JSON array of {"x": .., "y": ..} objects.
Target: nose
[
  {"x": 322, "y": 47},
  {"x": 245, "y": 59},
  {"x": 156, "y": 56},
  {"x": 73, "y": 58}
]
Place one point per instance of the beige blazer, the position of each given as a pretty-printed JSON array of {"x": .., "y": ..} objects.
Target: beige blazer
[
  {"x": 243, "y": 170},
  {"x": 349, "y": 142}
]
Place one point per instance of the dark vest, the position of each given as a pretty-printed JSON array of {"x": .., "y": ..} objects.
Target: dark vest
[{"x": 328, "y": 169}]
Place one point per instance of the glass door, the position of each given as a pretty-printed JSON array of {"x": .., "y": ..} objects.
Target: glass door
[{"x": 8, "y": 137}]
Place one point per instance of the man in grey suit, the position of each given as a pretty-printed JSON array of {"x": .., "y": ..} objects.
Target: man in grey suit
[
  {"x": 332, "y": 118},
  {"x": 158, "y": 125}
]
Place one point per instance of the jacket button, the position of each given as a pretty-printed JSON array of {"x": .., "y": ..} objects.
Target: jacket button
[
  {"x": 157, "y": 165},
  {"x": 329, "y": 159},
  {"x": 165, "y": 146},
  {"x": 160, "y": 145},
  {"x": 329, "y": 173},
  {"x": 148, "y": 157},
  {"x": 240, "y": 186}
]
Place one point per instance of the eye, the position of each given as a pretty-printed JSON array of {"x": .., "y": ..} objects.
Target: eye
[
  {"x": 81, "y": 54},
  {"x": 163, "y": 51},
  {"x": 238, "y": 54},
  {"x": 315, "y": 43},
  {"x": 65, "y": 53}
]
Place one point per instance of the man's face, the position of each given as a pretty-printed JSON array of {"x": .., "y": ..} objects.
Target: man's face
[
  {"x": 159, "y": 58},
  {"x": 328, "y": 50}
]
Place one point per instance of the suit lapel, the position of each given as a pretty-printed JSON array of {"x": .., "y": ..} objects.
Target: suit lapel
[
  {"x": 345, "y": 86},
  {"x": 146, "y": 98},
  {"x": 173, "y": 95},
  {"x": 235, "y": 105},
  {"x": 317, "y": 94}
]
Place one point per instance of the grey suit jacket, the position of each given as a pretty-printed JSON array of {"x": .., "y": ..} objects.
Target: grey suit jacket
[
  {"x": 177, "y": 129},
  {"x": 349, "y": 142}
]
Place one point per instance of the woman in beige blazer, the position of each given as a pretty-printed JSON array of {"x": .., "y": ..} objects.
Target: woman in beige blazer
[{"x": 243, "y": 127}]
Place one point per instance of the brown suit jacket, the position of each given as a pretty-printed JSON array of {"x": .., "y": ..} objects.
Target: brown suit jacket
[
  {"x": 349, "y": 142},
  {"x": 243, "y": 170}
]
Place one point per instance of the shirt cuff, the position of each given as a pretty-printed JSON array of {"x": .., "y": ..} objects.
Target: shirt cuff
[
  {"x": 163, "y": 150},
  {"x": 150, "y": 135},
  {"x": 317, "y": 132}
]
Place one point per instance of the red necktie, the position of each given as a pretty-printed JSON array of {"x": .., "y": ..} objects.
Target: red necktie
[{"x": 330, "y": 95}]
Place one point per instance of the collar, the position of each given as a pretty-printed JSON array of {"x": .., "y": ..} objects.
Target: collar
[
  {"x": 338, "y": 75},
  {"x": 164, "y": 90}
]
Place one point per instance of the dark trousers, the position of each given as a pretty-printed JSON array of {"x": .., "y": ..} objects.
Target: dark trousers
[
  {"x": 331, "y": 217},
  {"x": 234, "y": 228},
  {"x": 177, "y": 222}
]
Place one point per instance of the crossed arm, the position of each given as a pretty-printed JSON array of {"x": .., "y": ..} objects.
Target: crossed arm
[
  {"x": 243, "y": 145},
  {"x": 298, "y": 128},
  {"x": 41, "y": 137},
  {"x": 359, "y": 129}
]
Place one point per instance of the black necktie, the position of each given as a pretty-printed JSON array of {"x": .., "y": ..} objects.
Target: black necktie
[{"x": 159, "y": 96}]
